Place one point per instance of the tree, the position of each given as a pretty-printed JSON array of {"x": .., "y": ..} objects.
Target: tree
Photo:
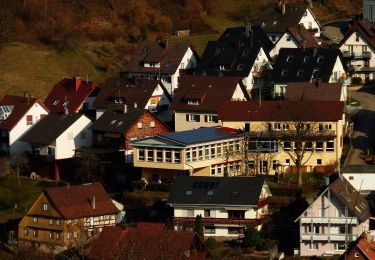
[
  {"x": 199, "y": 227},
  {"x": 251, "y": 237},
  {"x": 90, "y": 167}
]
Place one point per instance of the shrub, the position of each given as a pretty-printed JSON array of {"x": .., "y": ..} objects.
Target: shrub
[
  {"x": 356, "y": 81},
  {"x": 198, "y": 226},
  {"x": 139, "y": 185},
  {"x": 154, "y": 186},
  {"x": 251, "y": 237},
  {"x": 212, "y": 243}
]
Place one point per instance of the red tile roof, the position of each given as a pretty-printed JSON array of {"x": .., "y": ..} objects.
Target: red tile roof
[
  {"x": 285, "y": 110},
  {"x": 146, "y": 241},
  {"x": 315, "y": 91},
  {"x": 365, "y": 245},
  {"x": 209, "y": 91},
  {"x": 21, "y": 106},
  {"x": 75, "y": 201},
  {"x": 75, "y": 91},
  {"x": 304, "y": 38}
]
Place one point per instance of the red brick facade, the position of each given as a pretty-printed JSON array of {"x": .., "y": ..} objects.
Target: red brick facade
[{"x": 146, "y": 130}]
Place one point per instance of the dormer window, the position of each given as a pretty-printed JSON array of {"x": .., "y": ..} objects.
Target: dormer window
[
  {"x": 288, "y": 38},
  {"x": 5, "y": 112},
  {"x": 55, "y": 102},
  {"x": 357, "y": 37},
  {"x": 245, "y": 53},
  {"x": 119, "y": 101},
  {"x": 217, "y": 52},
  {"x": 290, "y": 58},
  {"x": 240, "y": 67},
  {"x": 305, "y": 59},
  {"x": 320, "y": 59},
  {"x": 221, "y": 67},
  {"x": 66, "y": 103},
  {"x": 193, "y": 102},
  {"x": 315, "y": 73},
  {"x": 284, "y": 72},
  {"x": 300, "y": 73}
]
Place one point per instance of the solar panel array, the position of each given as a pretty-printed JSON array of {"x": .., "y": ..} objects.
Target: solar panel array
[{"x": 208, "y": 185}]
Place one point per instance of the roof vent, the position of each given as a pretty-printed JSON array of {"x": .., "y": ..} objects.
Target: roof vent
[
  {"x": 189, "y": 192},
  {"x": 210, "y": 193},
  {"x": 235, "y": 194}
]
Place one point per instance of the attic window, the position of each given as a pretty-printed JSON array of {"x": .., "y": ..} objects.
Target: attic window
[
  {"x": 193, "y": 102},
  {"x": 120, "y": 123},
  {"x": 284, "y": 72},
  {"x": 315, "y": 73},
  {"x": 290, "y": 58},
  {"x": 320, "y": 59},
  {"x": 210, "y": 193},
  {"x": 5, "y": 112},
  {"x": 55, "y": 102},
  {"x": 189, "y": 193},
  {"x": 274, "y": 22},
  {"x": 113, "y": 122},
  {"x": 66, "y": 103},
  {"x": 288, "y": 38},
  {"x": 300, "y": 73},
  {"x": 245, "y": 53},
  {"x": 306, "y": 59},
  {"x": 119, "y": 101},
  {"x": 235, "y": 194},
  {"x": 240, "y": 67},
  {"x": 217, "y": 52}
]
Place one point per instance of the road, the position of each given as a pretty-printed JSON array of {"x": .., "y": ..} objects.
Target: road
[{"x": 364, "y": 126}]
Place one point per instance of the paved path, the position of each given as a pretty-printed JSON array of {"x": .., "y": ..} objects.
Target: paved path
[{"x": 364, "y": 126}]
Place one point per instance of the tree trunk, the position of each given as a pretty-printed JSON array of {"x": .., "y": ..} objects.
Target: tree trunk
[{"x": 299, "y": 175}]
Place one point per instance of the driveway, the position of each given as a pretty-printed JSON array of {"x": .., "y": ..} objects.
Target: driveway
[{"x": 364, "y": 125}]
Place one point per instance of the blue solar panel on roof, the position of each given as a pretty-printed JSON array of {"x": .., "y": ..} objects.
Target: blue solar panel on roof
[
  {"x": 212, "y": 185},
  {"x": 198, "y": 135},
  {"x": 206, "y": 185}
]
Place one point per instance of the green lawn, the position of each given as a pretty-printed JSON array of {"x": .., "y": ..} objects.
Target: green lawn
[{"x": 16, "y": 198}]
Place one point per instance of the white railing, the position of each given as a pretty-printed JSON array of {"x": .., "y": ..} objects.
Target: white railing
[
  {"x": 327, "y": 237},
  {"x": 331, "y": 220}
]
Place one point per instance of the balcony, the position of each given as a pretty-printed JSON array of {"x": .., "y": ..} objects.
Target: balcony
[
  {"x": 330, "y": 220},
  {"x": 328, "y": 237},
  {"x": 364, "y": 69},
  {"x": 357, "y": 56},
  {"x": 189, "y": 221}
]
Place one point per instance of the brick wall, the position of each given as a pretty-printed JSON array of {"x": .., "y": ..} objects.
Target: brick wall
[{"x": 146, "y": 129}]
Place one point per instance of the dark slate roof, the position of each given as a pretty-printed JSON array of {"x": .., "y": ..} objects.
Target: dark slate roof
[
  {"x": 273, "y": 21},
  {"x": 303, "y": 37},
  {"x": 75, "y": 201},
  {"x": 48, "y": 129},
  {"x": 169, "y": 56},
  {"x": 75, "y": 91},
  {"x": 282, "y": 110},
  {"x": 231, "y": 191},
  {"x": 350, "y": 197},
  {"x": 209, "y": 91},
  {"x": 235, "y": 50},
  {"x": 201, "y": 135},
  {"x": 359, "y": 169},
  {"x": 21, "y": 105},
  {"x": 116, "y": 121},
  {"x": 136, "y": 91},
  {"x": 315, "y": 91},
  {"x": 298, "y": 64}
]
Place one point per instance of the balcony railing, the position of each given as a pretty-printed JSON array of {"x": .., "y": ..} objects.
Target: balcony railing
[
  {"x": 328, "y": 237},
  {"x": 189, "y": 221},
  {"x": 355, "y": 69},
  {"x": 358, "y": 56},
  {"x": 326, "y": 220}
]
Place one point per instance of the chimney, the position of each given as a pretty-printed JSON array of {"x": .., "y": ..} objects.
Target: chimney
[
  {"x": 125, "y": 108},
  {"x": 135, "y": 105},
  {"x": 283, "y": 8},
  {"x": 166, "y": 43},
  {"x": 93, "y": 202},
  {"x": 78, "y": 82},
  {"x": 67, "y": 186}
]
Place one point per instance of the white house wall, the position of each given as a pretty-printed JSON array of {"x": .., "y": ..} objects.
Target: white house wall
[
  {"x": 309, "y": 22},
  {"x": 65, "y": 145},
  {"x": 16, "y": 146},
  {"x": 238, "y": 94},
  {"x": 361, "y": 181},
  {"x": 283, "y": 43}
]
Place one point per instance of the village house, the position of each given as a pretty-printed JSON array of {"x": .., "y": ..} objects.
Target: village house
[
  {"x": 361, "y": 177},
  {"x": 358, "y": 49},
  {"x": 270, "y": 128},
  {"x": 316, "y": 91},
  {"x": 362, "y": 249},
  {"x": 164, "y": 61},
  {"x": 336, "y": 218},
  {"x": 58, "y": 135},
  {"x": 116, "y": 128},
  {"x": 294, "y": 37},
  {"x": 239, "y": 52},
  {"x": 306, "y": 65},
  {"x": 209, "y": 151},
  {"x": 227, "y": 205},
  {"x": 197, "y": 99},
  {"x": 74, "y": 94},
  {"x": 144, "y": 93},
  {"x": 17, "y": 116},
  {"x": 275, "y": 19},
  {"x": 62, "y": 217},
  {"x": 129, "y": 243}
]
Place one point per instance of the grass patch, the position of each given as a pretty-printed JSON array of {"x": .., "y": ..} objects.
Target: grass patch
[
  {"x": 199, "y": 42},
  {"x": 23, "y": 194},
  {"x": 143, "y": 198},
  {"x": 27, "y": 67},
  {"x": 353, "y": 102}
]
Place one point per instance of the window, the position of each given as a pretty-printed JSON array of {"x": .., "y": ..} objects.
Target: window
[
  {"x": 75, "y": 234},
  {"x": 51, "y": 221},
  {"x": 287, "y": 146},
  {"x": 287, "y": 161},
  {"x": 207, "y": 213},
  {"x": 188, "y": 155},
  {"x": 177, "y": 156},
  {"x": 351, "y": 178},
  {"x": 357, "y": 37},
  {"x": 213, "y": 151},
  {"x": 193, "y": 102},
  {"x": 319, "y": 146},
  {"x": 308, "y": 146},
  {"x": 342, "y": 230},
  {"x": 313, "y": 246},
  {"x": 288, "y": 38},
  {"x": 251, "y": 164},
  {"x": 58, "y": 222},
  {"x": 210, "y": 119},
  {"x": 200, "y": 153},
  {"x": 35, "y": 219},
  {"x": 300, "y": 73},
  {"x": 69, "y": 235},
  {"x": 290, "y": 58},
  {"x": 58, "y": 236},
  {"x": 35, "y": 233},
  {"x": 356, "y": 255},
  {"x": 318, "y": 161},
  {"x": 328, "y": 127},
  {"x": 213, "y": 170},
  {"x": 274, "y": 164},
  {"x": 150, "y": 155},
  {"x": 330, "y": 146},
  {"x": 45, "y": 206},
  {"x": 207, "y": 152},
  {"x": 29, "y": 119},
  {"x": 320, "y": 59},
  {"x": 50, "y": 235},
  {"x": 152, "y": 124},
  {"x": 140, "y": 125},
  {"x": 339, "y": 246},
  {"x": 209, "y": 230},
  {"x": 141, "y": 154},
  {"x": 315, "y": 73},
  {"x": 159, "y": 155},
  {"x": 190, "y": 213},
  {"x": 192, "y": 118},
  {"x": 26, "y": 232},
  {"x": 194, "y": 154},
  {"x": 247, "y": 127},
  {"x": 218, "y": 150},
  {"x": 284, "y": 72},
  {"x": 306, "y": 59}
]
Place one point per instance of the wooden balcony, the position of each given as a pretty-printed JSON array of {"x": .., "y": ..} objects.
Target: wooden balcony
[{"x": 189, "y": 221}]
